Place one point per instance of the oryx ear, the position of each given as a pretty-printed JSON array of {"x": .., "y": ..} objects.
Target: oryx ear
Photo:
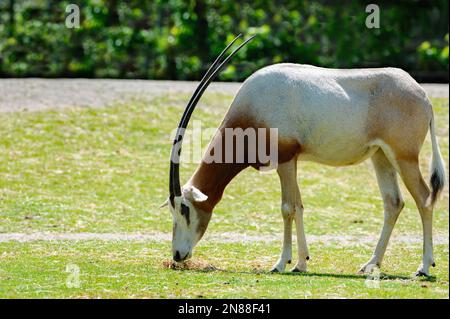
[
  {"x": 192, "y": 193},
  {"x": 166, "y": 202}
]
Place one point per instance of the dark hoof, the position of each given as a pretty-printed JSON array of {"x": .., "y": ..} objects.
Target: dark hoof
[
  {"x": 289, "y": 261},
  {"x": 421, "y": 274},
  {"x": 274, "y": 270},
  {"x": 297, "y": 270},
  {"x": 307, "y": 257},
  {"x": 433, "y": 264}
]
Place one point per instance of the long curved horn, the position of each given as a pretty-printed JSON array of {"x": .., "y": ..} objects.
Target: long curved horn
[
  {"x": 175, "y": 188},
  {"x": 189, "y": 105}
]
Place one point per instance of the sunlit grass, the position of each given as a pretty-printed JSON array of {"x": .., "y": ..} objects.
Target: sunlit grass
[
  {"x": 106, "y": 170},
  {"x": 137, "y": 270}
]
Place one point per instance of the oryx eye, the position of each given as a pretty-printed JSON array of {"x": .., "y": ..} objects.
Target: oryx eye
[
  {"x": 184, "y": 209},
  {"x": 185, "y": 212}
]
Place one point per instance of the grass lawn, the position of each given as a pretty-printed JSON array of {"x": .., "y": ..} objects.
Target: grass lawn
[
  {"x": 106, "y": 170},
  {"x": 136, "y": 270}
]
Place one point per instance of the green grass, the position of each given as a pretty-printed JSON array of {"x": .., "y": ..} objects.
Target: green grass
[
  {"x": 106, "y": 170},
  {"x": 128, "y": 270}
]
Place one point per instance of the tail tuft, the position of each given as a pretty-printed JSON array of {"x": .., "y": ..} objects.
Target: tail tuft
[
  {"x": 437, "y": 185},
  {"x": 437, "y": 170}
]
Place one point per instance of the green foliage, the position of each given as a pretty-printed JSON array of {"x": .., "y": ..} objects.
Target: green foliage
[
  {"x": 433, "y": 55},
  {"x": 175, "y": 39}
]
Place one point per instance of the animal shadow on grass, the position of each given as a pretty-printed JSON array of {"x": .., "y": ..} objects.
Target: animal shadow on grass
[
  {"x": 383, "y": 276},
  {"x": 206, "y": 268}
]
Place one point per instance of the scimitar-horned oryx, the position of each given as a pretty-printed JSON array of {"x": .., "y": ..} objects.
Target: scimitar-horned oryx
[{"x": 331, "y": 116}]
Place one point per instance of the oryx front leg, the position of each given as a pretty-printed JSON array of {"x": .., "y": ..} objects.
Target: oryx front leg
[
  {"x": 286, "y": 253},
  {"x": 302, "y": 247},
  {"x": 290, "y": 209},
  {"x": 393, "y": 204}
]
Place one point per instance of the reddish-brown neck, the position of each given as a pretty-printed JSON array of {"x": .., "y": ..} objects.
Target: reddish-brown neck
[{"x": 211, "y": 179}]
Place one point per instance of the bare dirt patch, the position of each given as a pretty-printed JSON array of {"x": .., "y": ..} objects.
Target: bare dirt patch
[
  {"x": 189, "y": 265},
  {"x": 43, "y": 94}
]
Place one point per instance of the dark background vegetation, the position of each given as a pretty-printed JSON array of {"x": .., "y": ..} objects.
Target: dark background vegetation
[{"x": 176, "y": 39}]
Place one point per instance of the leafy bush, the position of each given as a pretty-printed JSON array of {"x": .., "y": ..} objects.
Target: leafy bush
[
  {"x": 433, "y": 55},
  {"x": 175, "y": 39}
]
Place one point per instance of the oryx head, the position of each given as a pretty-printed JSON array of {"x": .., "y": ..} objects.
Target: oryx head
[{"x": 190, "y": 222}]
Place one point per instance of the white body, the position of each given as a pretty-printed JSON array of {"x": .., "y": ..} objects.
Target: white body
[{"x": 325, "y": 110}]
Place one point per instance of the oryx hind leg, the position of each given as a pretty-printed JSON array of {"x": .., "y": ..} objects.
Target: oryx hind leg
[
  {"x": 412, "y": 177},
  {"x": 393, "y": 204},
  {"x": 291, "y": 209}
]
